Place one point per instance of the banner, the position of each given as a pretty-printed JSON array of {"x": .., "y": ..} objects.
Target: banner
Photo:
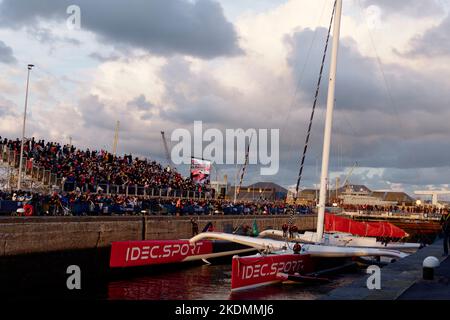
[
  {"x": 255, "y": 271},
  {"x": 200, "y": 171},
  {"x": 143, "y": 253}
]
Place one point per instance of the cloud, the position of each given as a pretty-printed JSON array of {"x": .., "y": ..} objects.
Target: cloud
[
  {"x": 6, "y": 107},
  {"x": 406, "y": 133},
  {"x": 142, "y": 106},
  {"x": 434, "y": 42},
  {"x": 6, "y": 54},
  {"x": 104, "y": 58},
  {"x": 406, "y": 7},
  {"x": 141, "y": 103},
  {"x": 193, "y": 96},
  {"x": 164, "y": 27},
  {"x": 397, "y": 142},
  {"x": 364, "y": 83},
  {"x": 422, "y": 176},
  {"x": 47, "y": 36}
]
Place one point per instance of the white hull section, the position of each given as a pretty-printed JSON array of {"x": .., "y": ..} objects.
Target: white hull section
[
  {"x": 343, "y": 240},
  {"x": 314, "y": 250}
]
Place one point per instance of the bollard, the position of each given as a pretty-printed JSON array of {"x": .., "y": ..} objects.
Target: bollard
[
  {"x": 429, "y": 264},
  {"x": 20, "y": 212}
]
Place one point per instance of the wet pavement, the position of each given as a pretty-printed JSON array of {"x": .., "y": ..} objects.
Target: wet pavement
[
  {"x": 401, "y": 280},
  {"x": 436, "y": 289}
]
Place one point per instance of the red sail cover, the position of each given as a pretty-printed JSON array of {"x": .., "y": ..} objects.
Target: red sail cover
[{"x": 334, "y": 223}]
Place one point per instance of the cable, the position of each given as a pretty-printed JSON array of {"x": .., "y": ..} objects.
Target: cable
[
  {"x": 385, "y": 81},
  {"x": 305, "y": 149},
  {"x": 380, "y": 65},
  {"x": 301, "y": 78}
]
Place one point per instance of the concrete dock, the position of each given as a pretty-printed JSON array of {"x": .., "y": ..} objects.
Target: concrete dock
[
  {"x": 402, "y": 280},
  {"x": 29, "y": 235},
  {"x": 36, "y": 251},
  {"x": 437, "y": 289}
]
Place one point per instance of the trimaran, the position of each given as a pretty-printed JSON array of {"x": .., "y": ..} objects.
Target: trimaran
[{"x": 299, "y": 259}]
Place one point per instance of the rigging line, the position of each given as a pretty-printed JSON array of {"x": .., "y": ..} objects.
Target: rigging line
[
  {"x": 349, "y": 124},
  {"x": 314, "y": 104},
  {"x": 301, "y": 78},
  {"x": 353, "y": 133},
  {"x": 380, "y": 65},
  {"x": 342, "y": 119}
]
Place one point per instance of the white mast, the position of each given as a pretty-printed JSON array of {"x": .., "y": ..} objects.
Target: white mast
[{"x": 329, "y": 121}]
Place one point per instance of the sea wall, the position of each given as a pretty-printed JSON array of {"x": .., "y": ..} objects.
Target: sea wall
[{"x": 28, "y": 235}]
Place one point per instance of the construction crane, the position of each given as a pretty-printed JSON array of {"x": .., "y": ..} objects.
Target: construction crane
[
  {"x": 243, "y": 168},
  {"x": 116, "y": 138},
  {"x": 349, "y": 174},
  {"x": 166, "y": 148}
]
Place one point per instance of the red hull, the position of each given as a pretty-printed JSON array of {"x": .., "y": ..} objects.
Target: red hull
[
  {"x": 141, "y": 253},
  {"x": 255, "y": 271}
]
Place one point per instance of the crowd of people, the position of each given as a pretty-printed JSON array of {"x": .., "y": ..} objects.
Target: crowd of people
[
  {"x": 79, "y": 203},
  {"x": 394, "y": 209},
  {"x": 87, "y": 169},
  {"x": 83, "y": 171}
]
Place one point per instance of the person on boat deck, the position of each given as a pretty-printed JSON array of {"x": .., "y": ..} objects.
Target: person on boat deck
[
  {"x": 445, "y": 222},
  {"x": 285, "y": 228},
  {"x": 292, "y": 231},
  {"x": 194, "y": 227}
]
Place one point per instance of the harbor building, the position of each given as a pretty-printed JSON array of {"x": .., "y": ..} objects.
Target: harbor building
[{"x": 355, "y": 195}]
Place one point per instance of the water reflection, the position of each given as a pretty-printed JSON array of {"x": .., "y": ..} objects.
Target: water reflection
[{"x": 212, "y": 282}]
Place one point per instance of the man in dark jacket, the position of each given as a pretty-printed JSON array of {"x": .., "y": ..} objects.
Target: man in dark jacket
[
  {"x": 194, "y": 227},
  {"x": 445, "y": 223}
]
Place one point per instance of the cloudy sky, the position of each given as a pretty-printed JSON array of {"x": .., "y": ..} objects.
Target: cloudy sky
[{"x": 162, "y": 64}]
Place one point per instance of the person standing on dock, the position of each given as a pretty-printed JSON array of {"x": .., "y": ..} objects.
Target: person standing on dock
[{"x": 445, "y": 223}]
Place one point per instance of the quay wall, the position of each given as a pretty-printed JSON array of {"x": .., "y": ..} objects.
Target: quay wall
[{"x": 30, "y": 235}]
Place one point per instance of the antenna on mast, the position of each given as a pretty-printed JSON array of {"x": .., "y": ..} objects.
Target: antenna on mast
[{"x": 116, "y": 138}]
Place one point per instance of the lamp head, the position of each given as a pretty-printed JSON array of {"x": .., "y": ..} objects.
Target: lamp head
[{"x": 30, "y": 66}]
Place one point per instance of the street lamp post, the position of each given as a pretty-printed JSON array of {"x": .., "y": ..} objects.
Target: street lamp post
[{"x": 19, "y": 180}]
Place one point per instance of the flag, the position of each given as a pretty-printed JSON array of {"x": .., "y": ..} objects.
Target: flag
[
  {"x": 208, "y": 227},
  {"x": 255, "y": 230}
]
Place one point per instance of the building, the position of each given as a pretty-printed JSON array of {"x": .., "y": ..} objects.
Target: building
[
  {"x": 259, "y": 191},
  {"x": 361, "y": 195},
  {"x": 355, "y": 195},
  {"x": 220, "y": 188},
  {"x": 306, "y": 196}
]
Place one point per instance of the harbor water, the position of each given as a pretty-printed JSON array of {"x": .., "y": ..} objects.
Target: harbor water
[{"x": 213, "y": 282}]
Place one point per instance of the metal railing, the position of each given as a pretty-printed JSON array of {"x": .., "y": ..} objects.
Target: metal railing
[
  {"x": 394, "y": 214},
  {"x": 136, "y": 190}
]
